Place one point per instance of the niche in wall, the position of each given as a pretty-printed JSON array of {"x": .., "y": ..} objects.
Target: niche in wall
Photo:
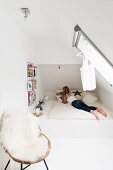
[{"x": 54, "y": 76}]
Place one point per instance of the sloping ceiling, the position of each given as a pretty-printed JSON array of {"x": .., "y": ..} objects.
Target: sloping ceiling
[{"x": 51, "y": 24}]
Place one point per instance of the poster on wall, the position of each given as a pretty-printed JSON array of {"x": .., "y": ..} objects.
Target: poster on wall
[
  {"x": 31, "y": 85},
  {"x": 31, "y": 70},
  {"x": 31, "y": 97}
]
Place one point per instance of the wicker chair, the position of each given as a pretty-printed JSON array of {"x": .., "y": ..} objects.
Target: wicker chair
[{"x": 23, "y": 160}]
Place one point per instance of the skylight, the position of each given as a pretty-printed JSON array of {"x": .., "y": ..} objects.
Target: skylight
[{"x": 101, "y": 64}]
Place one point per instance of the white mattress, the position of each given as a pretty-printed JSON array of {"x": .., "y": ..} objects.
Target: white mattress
[{"x": 66, "y": 111}]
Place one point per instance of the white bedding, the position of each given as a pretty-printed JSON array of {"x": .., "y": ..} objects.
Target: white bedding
[{"x": 66, "y": 111}]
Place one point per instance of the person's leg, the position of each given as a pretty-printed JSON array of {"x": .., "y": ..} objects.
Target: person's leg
[
  {"x": 94, "y": 112},
  {"x": 91, "y": 107},
  {"x": 81, "y": 105},
  {"x": 104, "y": 113},
  {"x": 78, "y": 104}
]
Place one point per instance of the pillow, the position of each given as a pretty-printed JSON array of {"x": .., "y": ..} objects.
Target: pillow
[
  {"x": 89, "y": 98},
  {"x": 58, "y": 98},
  {"x": 77, "y": 93},
  {"x": 58, "y": 95}
]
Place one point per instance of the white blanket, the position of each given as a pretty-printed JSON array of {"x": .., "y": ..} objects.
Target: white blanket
[{"x": 66, "y": 111}]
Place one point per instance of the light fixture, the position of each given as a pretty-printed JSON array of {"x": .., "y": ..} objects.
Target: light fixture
[{"x": 26, "y": 12}]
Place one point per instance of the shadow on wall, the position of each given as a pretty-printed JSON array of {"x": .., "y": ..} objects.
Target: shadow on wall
[{"x": 104, "y": 92}]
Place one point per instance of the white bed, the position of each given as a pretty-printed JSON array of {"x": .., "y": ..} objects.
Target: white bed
[
  {"x": 59, "y": 122},
  {"x": 66, "y": 111}
]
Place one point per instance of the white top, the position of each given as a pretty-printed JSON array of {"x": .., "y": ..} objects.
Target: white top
[{"x": 71, "y": 99}]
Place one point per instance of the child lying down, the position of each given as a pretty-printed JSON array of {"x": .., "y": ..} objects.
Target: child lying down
[{"x": 66, "y": 97}]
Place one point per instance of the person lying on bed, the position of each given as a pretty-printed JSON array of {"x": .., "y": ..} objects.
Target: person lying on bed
[
  {"x": 63, "y": 95},
  {"x": 79, "y": 104}
]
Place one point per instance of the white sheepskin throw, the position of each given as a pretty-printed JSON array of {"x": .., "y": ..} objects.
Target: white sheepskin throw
[{"x": 20, "y": 135}]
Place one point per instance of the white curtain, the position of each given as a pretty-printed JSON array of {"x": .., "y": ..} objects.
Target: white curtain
[
  {"x": 88, "y": 75},
  {"x": 100, "y": 63}
]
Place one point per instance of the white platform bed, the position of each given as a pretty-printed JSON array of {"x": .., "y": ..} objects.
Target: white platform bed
[
  {"x": 64, "y": 121},
  {"x": 66, "y": 111}
]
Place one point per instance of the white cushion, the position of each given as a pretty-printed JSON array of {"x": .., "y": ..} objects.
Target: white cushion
[
  {"x": 58, "y": 98},
  {"x": 20, "y": 135},
  {"x": 89, "y": 98},
  {"x": 58, "y": 95},
  {"x": 72, "y": 92},
  {"x": 78, "y": 97}
]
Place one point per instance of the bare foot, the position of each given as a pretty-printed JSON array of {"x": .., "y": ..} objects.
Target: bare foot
[
  {"x": 102, "y": 112},
  {"x": 95, "y": 114},
  {"x": 97, "y": 117}
]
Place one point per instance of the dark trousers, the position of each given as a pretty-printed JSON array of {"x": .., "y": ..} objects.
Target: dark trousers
[{"x": 79, "y": 104}]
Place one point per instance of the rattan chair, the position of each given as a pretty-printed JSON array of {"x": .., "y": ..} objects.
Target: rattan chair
[{"x": 29, "y": 162}]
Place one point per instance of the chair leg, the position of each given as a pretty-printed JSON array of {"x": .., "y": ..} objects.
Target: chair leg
[
  {"x": 46, "y": 165},
  {"x": 21, "y": 167},
  {"x": 24, "y": 167},
  {"x": 7, "y": 164}
]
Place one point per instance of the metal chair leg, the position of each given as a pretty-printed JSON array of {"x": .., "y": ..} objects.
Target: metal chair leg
[
  {"x": 21, "y": 167},
  {"x": 7, "y": 164},
  {"x": 46, "y": 165},
  {"x": 24, "y": 167}
]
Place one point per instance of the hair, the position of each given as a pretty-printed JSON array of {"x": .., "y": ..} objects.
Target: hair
[{"x": 66, "y": 90}]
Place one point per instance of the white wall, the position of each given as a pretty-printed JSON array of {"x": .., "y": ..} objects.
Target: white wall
[
  {"x": 40, "y": 92},
  {"x": 56, "y": 53},
  {"x": 54, "y": 78},
  {"x": 15, "y": 51},
  {"x": 105, "y": 92}
]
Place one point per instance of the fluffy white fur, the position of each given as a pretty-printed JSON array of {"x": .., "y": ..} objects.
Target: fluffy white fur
[{"x": 19, "y": 134}]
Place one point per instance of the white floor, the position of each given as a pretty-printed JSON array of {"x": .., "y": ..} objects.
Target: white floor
[{"x": 80, "y": 154}]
